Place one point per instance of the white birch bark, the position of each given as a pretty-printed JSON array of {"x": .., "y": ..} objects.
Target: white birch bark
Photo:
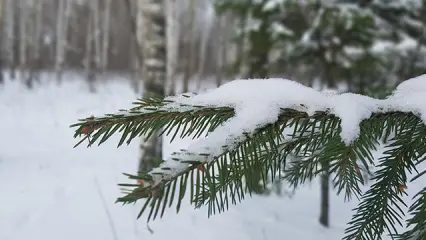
[
  {"x": 88, "y": 48},
  {"x": 221, "y": 49},
  {"x": 135, "y": 54},
  {"x": 205, "y": 34},
  {"x": 152, "y": 39},
  {"x": 96, "y": 32},
  {"x": 63, "y": 14},
  {"x": 35, "y": 32},
  {"x": 59, "y": 53},
  {"x": 2, "y": 32},
  {"x": 134, "y": 60},
  {"x": 38, "y": 29},
  {"x": 190, "y": 39},
  {"x": 10, "y": 36},
  {"x": 172, "y": 44},
  {"x": 23, "y": 34},
  {"x": 88, "y": 54},
  {"x": 106, "y": 34}
]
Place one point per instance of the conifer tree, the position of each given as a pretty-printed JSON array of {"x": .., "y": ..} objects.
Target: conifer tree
[
  {"x": 402, "y": 23},
  {"x": 260, "y": 31}
]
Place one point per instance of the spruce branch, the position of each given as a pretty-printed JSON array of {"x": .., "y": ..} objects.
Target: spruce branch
[
  {"x": 307, "y": 148},
  {"x": 234, "y": 173},
  {"x": 265, "y": 153},
  {"x": 418, "y": 220},
  {"x": 380, "y": 207},
  {"x": 347, "y": 161},
  {"x": 148, "y": 117}
]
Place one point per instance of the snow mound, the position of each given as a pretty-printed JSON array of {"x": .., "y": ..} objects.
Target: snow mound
[
  {"x": 259, "y": 102},
  {"x": 410, "y": 96}
]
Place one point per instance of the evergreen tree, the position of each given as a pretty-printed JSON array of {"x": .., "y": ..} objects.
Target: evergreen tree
[
  {"x": 403, "y": 23},
  {"x": 261, "y": 30},
  {"x": 372, "y": 41}
]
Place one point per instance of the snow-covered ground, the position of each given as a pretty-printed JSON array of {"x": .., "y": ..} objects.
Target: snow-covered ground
[{"x": 50, "y": 191}]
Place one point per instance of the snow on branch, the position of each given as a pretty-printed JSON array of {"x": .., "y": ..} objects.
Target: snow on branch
[{"x": 250, "y": 105}]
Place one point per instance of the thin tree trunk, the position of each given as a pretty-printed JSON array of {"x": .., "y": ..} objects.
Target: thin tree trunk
[
  {"x": 135, "y": 64},
  {"x": 59, "y": 52},
  {"x": 325, "y": 196},
  {"x": 106, "y": 34},
  {"x": 30, "y": 33},
  {"x": 204, "y": 40},
  {"x": 189, "y": 59},
  {"x": 36, "y": 44},
  {"x": 242, "y": 46},
  {"x": 136, "y": 53},
  {"x": 221, "y": 49},
  {"x": 172, "y": 44},
  {"x": 324, "y": 218},
  {"x": 88, "y": 58},
  {"x": 96, "y": 34},
  {"x": 39, "y": 30},
  {"x": 10, "y": 36},
  {"x": 152, "y": 38},
  {"x": 1, "y": 37},
  {"x": 23, "y": 12},
  {"x": 64, "y": 12}
]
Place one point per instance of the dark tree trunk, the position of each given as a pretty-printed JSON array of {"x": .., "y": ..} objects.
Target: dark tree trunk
[
  {"x": 324, "y": 218},
  {"x": 325, "y": 196}
]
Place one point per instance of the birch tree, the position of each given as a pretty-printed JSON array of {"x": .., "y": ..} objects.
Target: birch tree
[
  {"x": 59, "y": 54},
  {"x": 106, "y": 34},
  {"x": 205, "y": 33},
  {"x": 173, "y": 31},
  {"x": 28, "y": 27},
  {"x": 221, "y": 45},
  {"x": 35, "y": 45},
  {"x": 88, "y": 54},
  {"x": 1, "y": 24},
  {"x": 135, "y": 49},
  {"x": 10, "y": 35},
  {"x": 23, "y": 18},
  {"x": 190, "y": 37},
  {"x": 96, "y": 33},
  {"x": 38, "y": 29},
  {"x": 152, "y": 41},
  {"x": 63, "y": 13}
]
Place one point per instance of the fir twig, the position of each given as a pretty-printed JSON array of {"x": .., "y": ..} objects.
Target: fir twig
[{"x": 241, "y": 170}]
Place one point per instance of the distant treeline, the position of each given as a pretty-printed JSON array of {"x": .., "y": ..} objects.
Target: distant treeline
[{"x": 98, "y": 35}]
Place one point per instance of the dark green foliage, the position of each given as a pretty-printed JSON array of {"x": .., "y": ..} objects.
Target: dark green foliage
[
  {"x": 337, "y": 41},
  {"x": 258, "y": 28},
  {"x": 418, "y": 219},
  {"x": 390, "y": 180},
  {"x": 269, "y": 154}
]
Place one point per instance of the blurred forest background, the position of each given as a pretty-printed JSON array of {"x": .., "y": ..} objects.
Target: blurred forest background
[
  {"x": 362, "y": 43},
  {"x": 98, "y": 37}
]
